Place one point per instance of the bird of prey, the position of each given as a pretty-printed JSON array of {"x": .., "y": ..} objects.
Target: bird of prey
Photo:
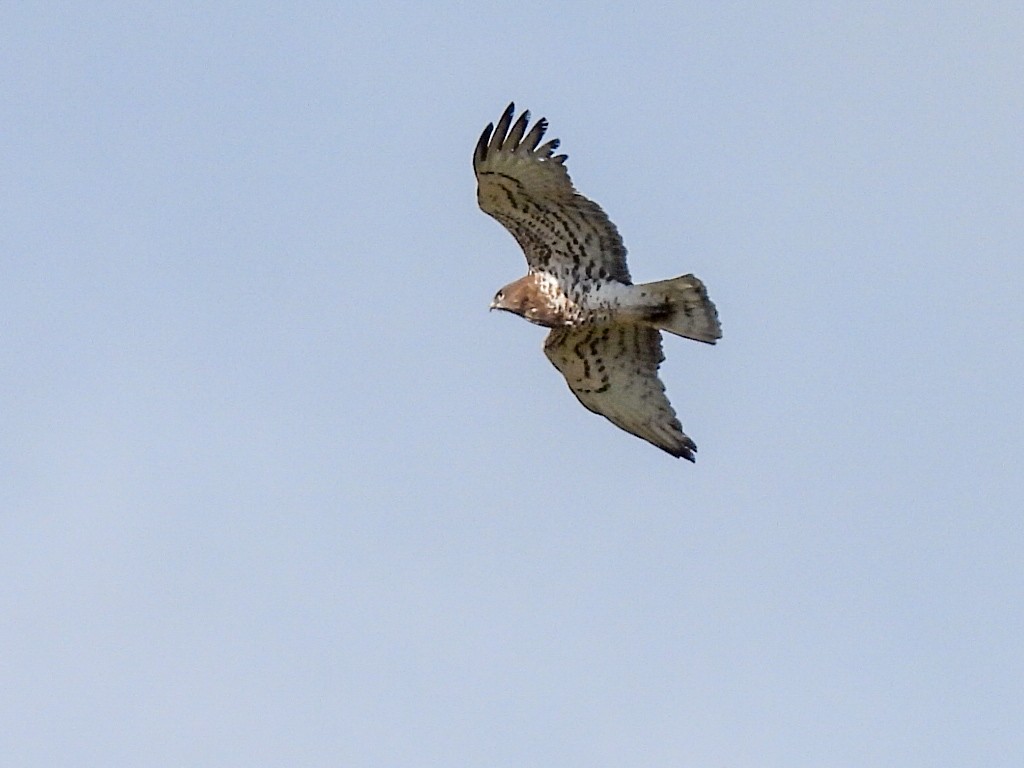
[{"x": 605, "y": 332}]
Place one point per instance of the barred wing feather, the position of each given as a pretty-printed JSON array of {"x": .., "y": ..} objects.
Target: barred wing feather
[
  {"x": 613, "y": 371},
  {"x": 526, "y": 187}
]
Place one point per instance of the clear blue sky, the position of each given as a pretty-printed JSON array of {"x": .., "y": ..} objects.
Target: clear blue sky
[{"x": 276, "y": 489}]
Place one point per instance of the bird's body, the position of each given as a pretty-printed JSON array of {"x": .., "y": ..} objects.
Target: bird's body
[
  {"x": 545, "y": 300},
  {"x": 605, "y": 336}
]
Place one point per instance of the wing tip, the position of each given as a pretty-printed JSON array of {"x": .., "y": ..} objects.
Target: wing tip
[
  {"x": 687, "y": 454},
  {"x": 685, "y": 449},
  {"x": 501, "y": 129},
  {"x": 480, "y": 154},
  {"x": 514, "y": 138}
]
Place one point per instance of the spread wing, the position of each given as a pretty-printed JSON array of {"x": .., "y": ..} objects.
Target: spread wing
[
  {"x": 524, "y": 185},
  {"x": 613, "y": 370}
]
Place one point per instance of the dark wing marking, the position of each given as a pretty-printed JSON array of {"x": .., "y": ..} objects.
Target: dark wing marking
[
  {"x": 613, "y": 371},
  {"x": 525, "y": 186}
]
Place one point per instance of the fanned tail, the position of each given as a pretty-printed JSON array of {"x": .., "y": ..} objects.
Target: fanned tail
[{"x": 681, "y": 306}]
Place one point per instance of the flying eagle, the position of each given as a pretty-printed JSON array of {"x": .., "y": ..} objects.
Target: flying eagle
[{"x": 606, "y": 332}]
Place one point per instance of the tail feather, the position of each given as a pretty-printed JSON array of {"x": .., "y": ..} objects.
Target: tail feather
[{"x": 681, "y": 306}]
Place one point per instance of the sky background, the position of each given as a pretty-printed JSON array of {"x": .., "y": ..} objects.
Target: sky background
[{"x": 276, "y": 489}]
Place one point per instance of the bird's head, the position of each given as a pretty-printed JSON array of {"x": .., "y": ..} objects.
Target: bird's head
[
  {"x": 506, "y": 301},
  {"x": 524, "y": 298}
]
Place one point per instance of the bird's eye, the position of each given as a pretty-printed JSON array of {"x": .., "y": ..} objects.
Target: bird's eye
[{"x": 499, "y": 296}]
